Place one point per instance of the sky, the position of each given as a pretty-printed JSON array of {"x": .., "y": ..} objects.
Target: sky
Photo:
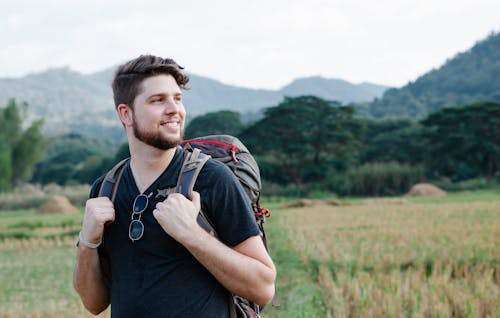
[{"x": 248, "y": 43}]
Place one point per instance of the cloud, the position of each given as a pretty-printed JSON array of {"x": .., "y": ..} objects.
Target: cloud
[{"x": 249, "y": 43}]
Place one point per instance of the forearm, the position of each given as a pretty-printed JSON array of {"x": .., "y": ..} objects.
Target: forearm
[
  {"x": 241, "y": 274},
  {"x": 88, "y": 280}
]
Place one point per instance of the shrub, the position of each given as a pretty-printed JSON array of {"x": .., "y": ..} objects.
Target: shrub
[
  {"x": 466, "y": 185},
  {"x": 375, "y": 179}
]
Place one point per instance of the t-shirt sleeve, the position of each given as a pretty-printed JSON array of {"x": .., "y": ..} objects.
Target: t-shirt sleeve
[{"x": 226, "y": 204}]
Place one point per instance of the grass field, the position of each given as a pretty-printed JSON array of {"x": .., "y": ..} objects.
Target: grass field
[{"x": 425, "y": 257}]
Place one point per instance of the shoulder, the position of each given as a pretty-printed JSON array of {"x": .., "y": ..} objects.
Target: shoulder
[
  {"x": 111, "y": 176},
  {"x": 217, "y": 180},
  {"x": 216, "y": 172},
  {"x": 215, "y": 166}
]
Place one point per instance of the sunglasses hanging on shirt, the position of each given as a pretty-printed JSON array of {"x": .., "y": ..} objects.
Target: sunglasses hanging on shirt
[{"x": 136, "y": 228}]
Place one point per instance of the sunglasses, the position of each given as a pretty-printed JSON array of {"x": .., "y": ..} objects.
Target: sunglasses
[{"x": 136, "y": 228}]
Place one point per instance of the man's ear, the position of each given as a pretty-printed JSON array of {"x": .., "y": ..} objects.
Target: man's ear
[{"x": 125, "y": 113}]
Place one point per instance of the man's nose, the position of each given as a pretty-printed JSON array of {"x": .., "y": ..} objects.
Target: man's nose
[{"x": 172, "y": 106}]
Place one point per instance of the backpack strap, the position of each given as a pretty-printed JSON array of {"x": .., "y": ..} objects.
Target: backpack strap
[
  {"x": 193, "y": 162},
  {"x": 191, "y": 167},
  {"x": 109, "y": 185}
]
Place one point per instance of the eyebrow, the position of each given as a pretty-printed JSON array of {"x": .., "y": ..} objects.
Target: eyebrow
[{"x": 164, "y": 95}]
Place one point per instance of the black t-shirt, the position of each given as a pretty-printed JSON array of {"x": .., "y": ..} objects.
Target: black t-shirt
[{"x": 156, "y": 276}]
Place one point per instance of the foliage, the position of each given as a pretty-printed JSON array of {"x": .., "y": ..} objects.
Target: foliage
[
  {"x": 393, "y": 140},
  {"x": 467, "y": 185},
  {"x": 122, "y": 152},
  {"x": 221, "y": 122},
  {"x": 306, "y": 144},
  {"x": 20, "y": 148},
  {"x": 302, "y": 137},
  {"x": 378, "y": 179},
  {"x": 464, "y": 142},
  {"x": 5, "y": 165},
  {"x": 73, "y": 158}
]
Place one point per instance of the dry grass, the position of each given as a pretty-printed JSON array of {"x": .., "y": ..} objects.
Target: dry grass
[
  {"x": 385, "y": 259},
  {"x": 29, "y": 196},
  {"x": 410, "y": 260}
]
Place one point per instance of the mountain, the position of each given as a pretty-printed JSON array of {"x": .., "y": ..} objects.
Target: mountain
[
  {"x": 73, "y": 102},
  {"x": 468, "y": 77},
  {"x": 333, "y": 89}
]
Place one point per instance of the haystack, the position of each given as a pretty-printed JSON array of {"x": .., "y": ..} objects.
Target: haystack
[
  {"x": 57, "y": 204},
  {"x": 302, "y": 203},
  {"x": 425, "y": 189}
]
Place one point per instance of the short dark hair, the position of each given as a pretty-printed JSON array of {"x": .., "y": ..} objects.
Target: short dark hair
[{"x": 129, "y": 76}]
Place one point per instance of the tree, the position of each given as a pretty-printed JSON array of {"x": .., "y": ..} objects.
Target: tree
[
  {"x": 394, "y": 140},
  {"x": 5, "y": 166},
  {"x": 464, "y": 142},
  {"x": 221, "y": 122},
  {"x": 27, "y": 152},
  {"x": 303, "y": 137},
  {"x": 122, "y": 152},
  {"x": 74, "y": 158},
  {"x": 20, "y": 149}
]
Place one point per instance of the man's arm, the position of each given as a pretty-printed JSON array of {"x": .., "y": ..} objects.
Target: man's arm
[
  {"x": 245, "y": 270},
  {"x": 88, "y": 278}
]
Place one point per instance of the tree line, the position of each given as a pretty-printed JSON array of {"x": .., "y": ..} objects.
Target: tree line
[{"x": 304, "y": 144}]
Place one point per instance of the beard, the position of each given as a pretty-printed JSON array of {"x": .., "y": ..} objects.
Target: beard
[{"x": 155, "y": 139}]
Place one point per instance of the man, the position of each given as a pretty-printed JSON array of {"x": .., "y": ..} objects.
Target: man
[{"x": 172, "y": 268}]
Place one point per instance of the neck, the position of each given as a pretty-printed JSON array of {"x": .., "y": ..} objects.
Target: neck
[{"x": 148, "y": 163}]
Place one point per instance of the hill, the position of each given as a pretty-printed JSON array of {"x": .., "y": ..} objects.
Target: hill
[
  {"x": 333, "y": 89},
  {"x": 468, "y": 77},
  {"x": 71, "y": 101}
]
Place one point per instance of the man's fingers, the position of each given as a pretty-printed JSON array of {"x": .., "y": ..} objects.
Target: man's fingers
[{"x": 100, "y": 209}]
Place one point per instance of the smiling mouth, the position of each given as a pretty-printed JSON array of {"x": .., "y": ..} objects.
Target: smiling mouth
[
  {"x": 170, "y": 120},
  {"x": 171, "y": 124}
]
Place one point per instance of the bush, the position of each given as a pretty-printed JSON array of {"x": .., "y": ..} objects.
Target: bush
[
  {"x": 466, "y": 185},
  {"x": 376, "y": 179}
]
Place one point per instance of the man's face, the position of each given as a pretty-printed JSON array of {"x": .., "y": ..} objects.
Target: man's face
[{"x": 159, "y": 115}]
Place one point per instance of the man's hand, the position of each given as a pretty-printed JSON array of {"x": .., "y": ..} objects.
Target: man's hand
[
  {"x": 98, "y": 212},
  {"x": 177, "y": 215}
]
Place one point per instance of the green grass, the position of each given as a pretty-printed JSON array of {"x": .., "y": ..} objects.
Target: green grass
[
  {"x": 37, "y": 256},
  {"x": 37, "y": 280},
  {"x": 298, "y": 294},
  {"x": 27, "y": 224}
]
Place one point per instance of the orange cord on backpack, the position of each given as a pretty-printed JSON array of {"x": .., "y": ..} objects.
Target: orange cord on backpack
[{"x": 261, "y": 212}]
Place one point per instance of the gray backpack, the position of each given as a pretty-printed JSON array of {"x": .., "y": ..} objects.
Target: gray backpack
[{"x": 230, "y": 151}]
